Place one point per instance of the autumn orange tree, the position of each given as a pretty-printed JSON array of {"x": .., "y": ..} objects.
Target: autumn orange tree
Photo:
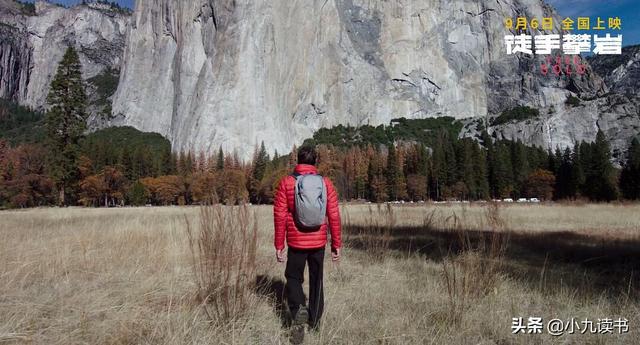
[
  {"x": 23, "y": 178},
  {"x": 540, "y": 184},
  {"x": 108, "y": 188},
  {"x": 403, "y": 162},
  {"x": 204, "y": 188},
  {"x": 92, "y": 190},
  {"x": 163, "y": 190}
]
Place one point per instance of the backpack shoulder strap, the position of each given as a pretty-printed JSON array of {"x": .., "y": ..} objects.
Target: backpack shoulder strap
[{"x": 295, "y": 175}]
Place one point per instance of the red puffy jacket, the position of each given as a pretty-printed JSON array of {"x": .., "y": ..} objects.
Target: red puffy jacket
[{"x": 284, "y": 208}]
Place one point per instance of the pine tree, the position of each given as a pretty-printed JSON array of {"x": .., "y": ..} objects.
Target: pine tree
[
  {"x": 146, "y": 161},
  {"x": 450, "y": 158},
  {"x": 260, "y": 163},
  {"x": 369, "y": 183},
  {"x": 422, "y": 164},
  {"x": 487, "y": 142},
  {"x": 576, "y": 177},
  {"x": 220, "y": 161},
  {"x": 401, "y": 184},
  {"x": 137, "y": 194},
  {"x": 201, "y": 162},
  {"x": 552, "y": 160},
  {"x": 392, "y": 173},
  {"x": 630, "y": 175},
  {"x": 465, "y": 165},
  {"x": 520, "y": 165},
  {"x": 376, "y": 180},
  {"x": 563, "y": 174},
  {"x": 502, "y": 171},
  {"x": 600, "y": 173},
  {"x": 131, "y": 171},
  {"x": 65, "y": 122},
  {"x": 182, "y": 163},
  {"x": 259, "y": 167},
  {"x": 438, "y": 168},
  {"x": 189, "y": 164},
  {"x": 481, "y": 174},
  {"x": 173, "y": 166}
]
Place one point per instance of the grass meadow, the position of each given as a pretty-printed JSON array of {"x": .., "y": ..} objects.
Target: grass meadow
[{"x": 410, "y": 274}]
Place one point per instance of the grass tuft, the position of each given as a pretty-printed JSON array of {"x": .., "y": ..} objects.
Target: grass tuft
[{"x": 223, "y": 252}]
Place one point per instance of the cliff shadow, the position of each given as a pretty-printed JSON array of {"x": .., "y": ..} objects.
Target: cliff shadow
[
  {"x": 274, "y": 290},
  {"x": 588, "y": 263}
]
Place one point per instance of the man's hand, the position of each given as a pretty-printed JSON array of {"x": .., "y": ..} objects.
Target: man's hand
[
  {"x": 335, "y": 254},
  {"x": 280, "y": 255}
]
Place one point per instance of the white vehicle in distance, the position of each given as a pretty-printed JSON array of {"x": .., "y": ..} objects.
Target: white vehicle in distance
[
  {"x": 507, "y": 200},
  {"x": 534, "y": 200},
  {"x": 522, "y": 200}
]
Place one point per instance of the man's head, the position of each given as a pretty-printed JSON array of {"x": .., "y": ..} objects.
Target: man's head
[{"x": 307, "y": 155}]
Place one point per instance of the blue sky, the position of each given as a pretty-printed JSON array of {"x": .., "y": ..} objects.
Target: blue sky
[
  {"x": 124, "y": 3},
  {"x": 627, "y": 10}
]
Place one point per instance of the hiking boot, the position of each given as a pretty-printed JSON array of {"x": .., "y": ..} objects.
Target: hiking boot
[
  {"x": 297, "y": 328},
  {"x": 314, "y": 327}
]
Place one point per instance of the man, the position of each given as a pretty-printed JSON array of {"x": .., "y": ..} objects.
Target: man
[{"x": 305, "y": 244}]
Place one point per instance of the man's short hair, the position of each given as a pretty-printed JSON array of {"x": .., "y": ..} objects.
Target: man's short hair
[{"x": 307, "y": 155}]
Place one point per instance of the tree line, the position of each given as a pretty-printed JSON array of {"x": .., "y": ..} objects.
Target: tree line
[{"x": 410, "y": 160}]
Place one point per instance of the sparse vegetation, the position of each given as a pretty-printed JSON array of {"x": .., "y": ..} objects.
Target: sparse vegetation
[
  {"x": 520, "y": 113},
  {"x": 476, "y": 268},
  {"x": 20, "y": 125},
  {"x": 113, "y": 6},
  {"x": 123, "y": 276},
  {"x": 27, "y": 8},
  {"x": 572, "y": 101},
  {"x": 223, "y": 250},
  {"x": 374, "y": 236},
  {"x": 423, "y": 131},
  {"x": 106, "y": 84}
]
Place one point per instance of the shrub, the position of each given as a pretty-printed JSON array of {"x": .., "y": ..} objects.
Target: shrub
[
  {"x": 518, "y": 114},
  {"x": 137, "y": 194},
  {"x": 19, "y": 125},
  {"x": 106, "y": 84},
  {"x": 572, "y": 101},
  {"x": 473, "y": 271},
  {"x": 223, "y": 251},
  {"x": 27, "y": 8}
]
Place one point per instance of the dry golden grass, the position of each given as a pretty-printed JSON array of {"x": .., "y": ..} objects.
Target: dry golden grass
[
  {"x": 524, "y": 217},
  {"x": 125, "y": 276}
]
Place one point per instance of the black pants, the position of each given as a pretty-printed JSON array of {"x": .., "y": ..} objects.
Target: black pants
[{"x": 296, "y": 259}]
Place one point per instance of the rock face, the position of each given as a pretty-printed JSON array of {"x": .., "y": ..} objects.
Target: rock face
[
  {"x": 32, "y": 44},
  {"x": 560, "y": 125},
  {"x": 233, "y": 73},
  {"x": 621, "y": 72},
  {"x": 563, "y": 125},
  {"x": 207, "y": 73}
]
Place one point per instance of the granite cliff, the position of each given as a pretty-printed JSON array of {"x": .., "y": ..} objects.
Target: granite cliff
[
  {"x": 207, "y": 73},
  {"x": 33, "y": 41},
  {"x": 232, "y": 73},
  {"x": 561, "y": 123}
]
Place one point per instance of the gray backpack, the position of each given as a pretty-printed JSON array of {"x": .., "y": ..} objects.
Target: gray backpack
[{"x": 311, "y": 202}]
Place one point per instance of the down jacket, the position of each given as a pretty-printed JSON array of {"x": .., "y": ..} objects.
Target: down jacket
[{"x": 284, "y": 208}]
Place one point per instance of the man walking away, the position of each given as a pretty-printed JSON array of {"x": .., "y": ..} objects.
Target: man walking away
[{"x": 303, "y": 203}]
